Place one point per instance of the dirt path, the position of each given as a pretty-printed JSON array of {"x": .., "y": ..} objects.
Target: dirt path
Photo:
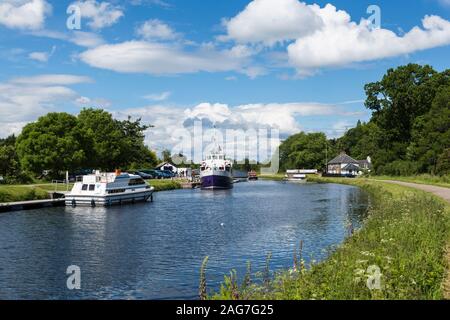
[{"x": 444, "y": 193}]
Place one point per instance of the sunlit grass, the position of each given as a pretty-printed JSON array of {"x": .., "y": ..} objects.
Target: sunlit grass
[{"x": 441, "y": 181}]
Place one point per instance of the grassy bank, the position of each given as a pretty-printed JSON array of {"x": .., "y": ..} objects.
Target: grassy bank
[
  {"x": 404, "y": 236},
  {"x": 21, "y": 193},
  {"x": 440, "y": 181},
  {"x": 165, "y": 185}
]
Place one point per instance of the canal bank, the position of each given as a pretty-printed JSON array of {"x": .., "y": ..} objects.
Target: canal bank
[
  {"x": 25, "y": 197},
  {"x": 403, "y": 240}
]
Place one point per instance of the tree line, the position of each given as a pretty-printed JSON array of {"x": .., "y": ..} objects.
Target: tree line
[
  {"x": 408, "y": 133},
  {"x": 60, "y": 141}
]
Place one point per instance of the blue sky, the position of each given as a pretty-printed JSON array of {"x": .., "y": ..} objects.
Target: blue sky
[{"x": 264, "y": 63}]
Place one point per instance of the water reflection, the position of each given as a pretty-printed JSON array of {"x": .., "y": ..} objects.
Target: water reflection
[{"x": 154, "y": 251}]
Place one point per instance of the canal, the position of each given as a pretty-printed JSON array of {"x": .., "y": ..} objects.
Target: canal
[{"x": 154, "y": 250}]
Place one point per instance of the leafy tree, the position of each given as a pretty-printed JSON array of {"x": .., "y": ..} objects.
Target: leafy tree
[
  {"x": 9, "y": 161},
  {"x": 112, "y": 143},
  {"x": 53, "y": 143},
  {"x": 397, "y": 100},
  {"x": 166, "y": 155},
  {"x": 304, "y": 150},
  {"x": 431, "y": 133}
]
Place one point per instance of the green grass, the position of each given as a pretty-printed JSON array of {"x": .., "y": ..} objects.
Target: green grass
[
  {"x": 165, "y": 185},
  {"x": 275, "y": 177},
  {"x": 21, "y": 193},
  {"x": 441, "y": 181},
  {"x": 404, "y": 235}
]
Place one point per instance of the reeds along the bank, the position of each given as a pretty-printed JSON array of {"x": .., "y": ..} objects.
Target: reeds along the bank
[{"x": 203, "y": 286}]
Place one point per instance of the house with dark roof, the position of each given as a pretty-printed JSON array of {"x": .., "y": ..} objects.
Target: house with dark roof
[{"x": 344, "y": 165}]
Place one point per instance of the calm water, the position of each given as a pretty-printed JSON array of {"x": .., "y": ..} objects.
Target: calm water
[{"x": 154, "y": 250}]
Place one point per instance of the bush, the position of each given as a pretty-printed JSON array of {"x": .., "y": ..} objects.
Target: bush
[{"x": 400, "y": 168}]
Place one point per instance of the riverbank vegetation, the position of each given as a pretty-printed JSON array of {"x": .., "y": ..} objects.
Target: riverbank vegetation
[
  {"x": 22, "y": 193},
  {"x": 408, "y": 133},
  {"x": 403, "y": 238}
]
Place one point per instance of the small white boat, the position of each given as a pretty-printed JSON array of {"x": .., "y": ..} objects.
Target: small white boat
[
  {"x": 106, "y": 189},
  {"x": 299, "y": 178}
]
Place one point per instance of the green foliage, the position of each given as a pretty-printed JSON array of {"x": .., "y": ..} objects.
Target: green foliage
[
  {"x": 411, "y": 109},
  {"x": 112, "y": 143},
  {"x": 404, "y": 235},
  {"x": 60, "y": 142},
  {"x": 203, "y": 287},
  {"x": 304, "y": 151},
  {"x": 431, "y": 135},
  {"x": 399, "y": 168},
  {"x": 53, "y": 143}
]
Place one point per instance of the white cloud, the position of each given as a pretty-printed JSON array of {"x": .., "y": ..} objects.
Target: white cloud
[
  {"x": 155, "y": 29},
  {"x": 159, "y": 3},
  {"x": 158, "y": 96},
  {"x": 100, "y": 14},
  {"x": 51, "y": 79},
  {"x": 269, "y": 22},
  {"x": 342, "y": 41},
  {"x": 24, "y": 14},
  {"x": 158, "y": 59},
  {"x": 42, "y": 56},
  {"x": 80, "y": 38},
  {"x": 169, "y": 120},
  {"x": 26, "y": 98}
]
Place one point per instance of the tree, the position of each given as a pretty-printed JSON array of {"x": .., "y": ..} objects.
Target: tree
[
  {"x": 431, "y": 134},
  {"x": 112, "y": 143},
  {"x": 52, "y": 143},
  {"x": 397, "y": 100},
  {"x": 304, "y": 151},
  {"x": 9, "y": 161},
  {"x": 166, "y": 155}
]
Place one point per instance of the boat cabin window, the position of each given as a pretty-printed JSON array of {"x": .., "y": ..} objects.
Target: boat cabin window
[
  {"x": 84, "y": 187},
  {"x": 136, "y": 182},
  {"x": 91, "y": 187}
]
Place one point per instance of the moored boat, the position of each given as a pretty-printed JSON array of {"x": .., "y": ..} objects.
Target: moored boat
[
  {"x": 216, "y": 172},
  {"x": 106, "y": 189},
  {"x": 252, "y": 175}
]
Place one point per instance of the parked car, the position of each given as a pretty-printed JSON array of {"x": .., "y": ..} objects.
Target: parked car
[
  {"x": 155, "y": 174},
  {"x": 164, "y": 174},
  {"x": 144, "y": 175},
  {"x": 169, "y": 173}
]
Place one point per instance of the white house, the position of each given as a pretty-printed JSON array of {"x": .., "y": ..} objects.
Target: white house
[
  {"x": 167, "y": 166},
  {"x": 344, "y": 165}
]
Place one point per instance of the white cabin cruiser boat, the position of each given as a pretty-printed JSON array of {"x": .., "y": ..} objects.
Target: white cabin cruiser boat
[{"x": 106, "y": 189}]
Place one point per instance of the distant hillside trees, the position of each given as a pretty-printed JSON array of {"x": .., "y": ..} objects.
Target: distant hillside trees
[{"x": 94, "y": 139}]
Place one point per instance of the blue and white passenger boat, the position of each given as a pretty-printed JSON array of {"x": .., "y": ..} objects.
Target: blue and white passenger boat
[{"x": 216, "y": 171}]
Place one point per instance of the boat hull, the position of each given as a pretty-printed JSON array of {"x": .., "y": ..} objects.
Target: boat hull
[
  {"x": 109, "y": 200},
  {"x": 216, "y": 182}
]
